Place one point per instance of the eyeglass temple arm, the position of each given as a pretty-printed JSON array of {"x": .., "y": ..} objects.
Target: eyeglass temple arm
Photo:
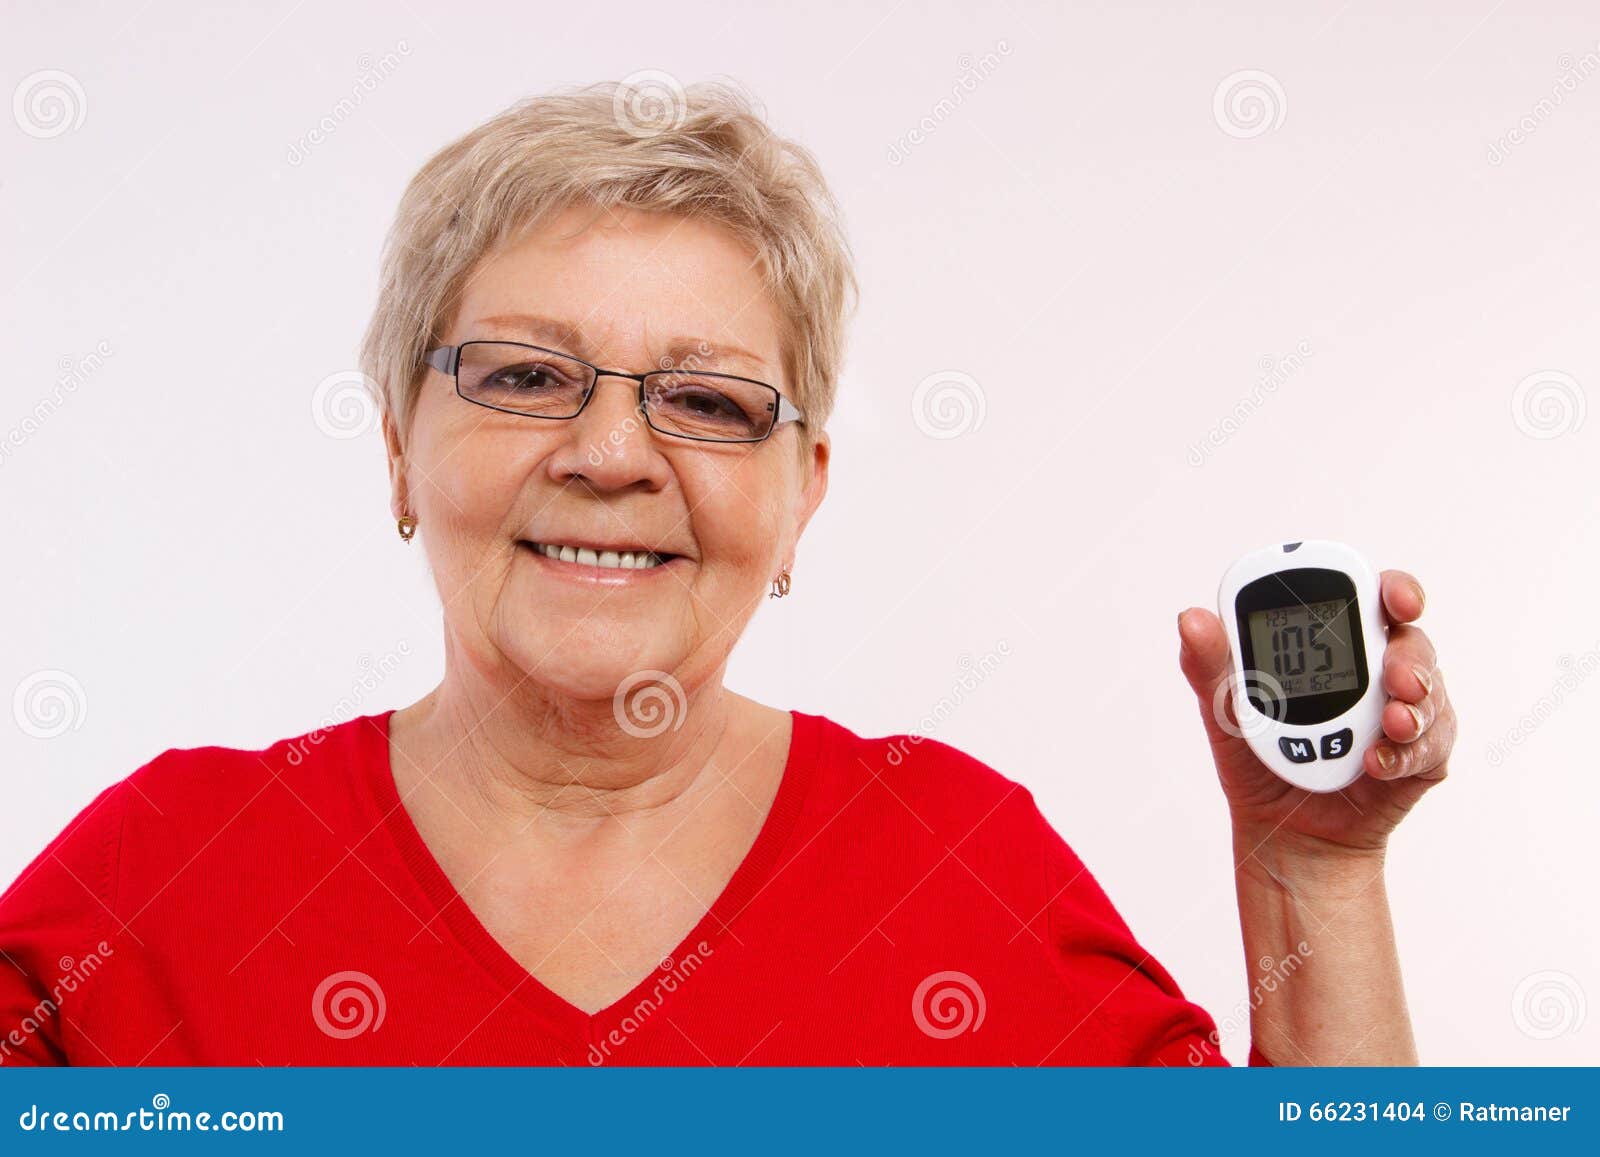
[{"x": 789, "y": 412}]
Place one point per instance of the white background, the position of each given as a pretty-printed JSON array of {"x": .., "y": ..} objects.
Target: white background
[{"x": 1078, "y": 229}]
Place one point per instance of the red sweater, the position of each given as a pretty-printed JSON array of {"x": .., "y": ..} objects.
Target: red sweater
[{"x": 903, "y": 904}]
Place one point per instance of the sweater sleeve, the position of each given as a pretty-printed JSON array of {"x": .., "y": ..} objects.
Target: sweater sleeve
[
  {"x": 1140, "y": 1012},
  {"x": 55, "y": 932}
]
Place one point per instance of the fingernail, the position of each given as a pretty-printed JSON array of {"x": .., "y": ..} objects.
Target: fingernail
[
  {"x": 1385, "y": 757},
  {"x": 1424, "y": 678},
  {"x": 1182, "y": 642},
  {"x": 1417, "y": 715},
  {"x": 1421, "y": 599}
]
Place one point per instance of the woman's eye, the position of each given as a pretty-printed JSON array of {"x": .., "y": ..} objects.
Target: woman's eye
[
  {"x": 706, "y": 404},
  {"x": 524, "y": 379}
]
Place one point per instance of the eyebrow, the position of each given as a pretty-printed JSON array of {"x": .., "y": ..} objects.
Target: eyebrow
[{"x": 680, "y": 350}]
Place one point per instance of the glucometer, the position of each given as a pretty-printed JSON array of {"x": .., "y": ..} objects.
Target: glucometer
[{"x": 1306, "y": 632}]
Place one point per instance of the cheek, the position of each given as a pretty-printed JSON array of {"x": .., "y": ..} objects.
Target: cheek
[
  {"x": 468, "y": 489},
  {"x": 738, "y": 521}
]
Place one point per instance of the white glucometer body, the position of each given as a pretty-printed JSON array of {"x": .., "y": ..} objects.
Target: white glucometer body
[{"x": 1306, "y": 634}]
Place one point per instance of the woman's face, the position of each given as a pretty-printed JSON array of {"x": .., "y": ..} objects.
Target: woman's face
[{"x": 628, "y": 291}]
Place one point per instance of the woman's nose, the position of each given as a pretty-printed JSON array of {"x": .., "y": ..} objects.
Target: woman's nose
[{"x": 611, "y": 444}]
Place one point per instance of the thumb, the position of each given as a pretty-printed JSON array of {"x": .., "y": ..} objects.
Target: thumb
[
  {"x": 1203, "y": 655},
  {"x": 1204, "y": 651},
  {"x": 1206, "y": 664}
]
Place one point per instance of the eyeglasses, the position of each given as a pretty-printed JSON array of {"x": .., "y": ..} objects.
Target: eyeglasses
[{"x": 535, "y": 382}]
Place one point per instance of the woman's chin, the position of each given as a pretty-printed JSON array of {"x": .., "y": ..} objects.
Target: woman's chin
[{"x": 594, "y": 660}]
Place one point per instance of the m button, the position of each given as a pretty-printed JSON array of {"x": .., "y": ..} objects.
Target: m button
[
  {"x": 1337, "y": 744},
  {"x": 1297, "y": 750}
]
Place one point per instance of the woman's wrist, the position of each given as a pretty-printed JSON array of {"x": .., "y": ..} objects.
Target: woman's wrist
[
  {"x": 1278, "y": 861},
  {"x": 1320, "y": 955}
]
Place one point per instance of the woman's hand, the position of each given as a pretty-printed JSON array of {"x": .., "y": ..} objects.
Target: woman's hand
[{"x": 1419, "y": 730}]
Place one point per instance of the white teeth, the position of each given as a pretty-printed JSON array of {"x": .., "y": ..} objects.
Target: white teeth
[{"x": 606, "y": 559}]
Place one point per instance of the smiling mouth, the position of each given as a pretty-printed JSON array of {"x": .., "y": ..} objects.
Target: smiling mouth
[{"x": 635, "y": 559}]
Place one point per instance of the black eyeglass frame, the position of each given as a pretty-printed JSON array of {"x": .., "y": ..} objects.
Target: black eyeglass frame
[{"x": 447, "y": 360}]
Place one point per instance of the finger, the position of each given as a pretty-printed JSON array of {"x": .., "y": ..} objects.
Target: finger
[
  {"x": 1409, "y": 662},
  {"x": 1426, "y": 756},
  {"x": 1402, "y": 596},
  {"x": 1406, "y": 722},
  {"x": 1203, "y": 655}
]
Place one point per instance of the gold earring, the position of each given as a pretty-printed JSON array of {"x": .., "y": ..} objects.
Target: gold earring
[
  {"x": 407, "y": 526},
  {"x": 780, "y": 585}
]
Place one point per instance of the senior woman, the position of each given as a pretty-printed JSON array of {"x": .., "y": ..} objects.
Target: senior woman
[{"x": 607, "y": 358}]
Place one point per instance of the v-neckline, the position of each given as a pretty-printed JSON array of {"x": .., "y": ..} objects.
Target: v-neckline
[{"x": 559, "y": 1015}]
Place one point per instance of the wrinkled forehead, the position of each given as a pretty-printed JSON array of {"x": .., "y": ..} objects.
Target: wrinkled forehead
[{"x": 630, "y": 286}]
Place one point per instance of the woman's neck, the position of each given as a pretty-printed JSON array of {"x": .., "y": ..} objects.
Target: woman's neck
[{"x": 506, "y": 758}]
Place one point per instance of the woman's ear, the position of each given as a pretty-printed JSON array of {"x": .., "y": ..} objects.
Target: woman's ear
[
  {"x": 813, "y": 482},
  {"x": 399, "y": 496}
]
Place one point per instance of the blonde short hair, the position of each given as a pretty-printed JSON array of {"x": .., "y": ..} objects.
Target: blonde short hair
[{"x": 702, "y": 151}]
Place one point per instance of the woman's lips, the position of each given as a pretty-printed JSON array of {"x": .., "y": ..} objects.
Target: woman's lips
[{"x": 608, "y": 568}]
